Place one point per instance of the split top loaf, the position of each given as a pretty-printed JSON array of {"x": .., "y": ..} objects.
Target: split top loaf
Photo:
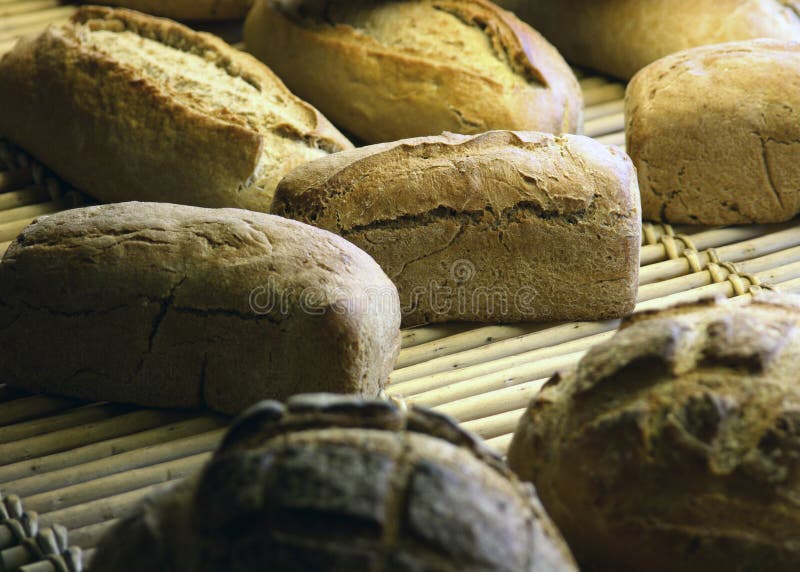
[
  {"x": 388, "y": 70},
  {"x": 175, "y": 306},
  {"x": 126, "y": 106},
  {"x": 330, "y": 484},
  {"x": 503, "y": 226},
  {"x": 675, "y": 445}
]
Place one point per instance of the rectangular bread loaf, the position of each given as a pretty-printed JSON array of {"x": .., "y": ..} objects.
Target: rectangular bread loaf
[
  {"x": 176, "y": 306},
  {"x": 503, "y": 226},
  {"x": 126, "y": 106}
]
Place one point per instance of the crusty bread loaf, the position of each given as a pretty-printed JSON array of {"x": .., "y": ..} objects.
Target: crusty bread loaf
[
  {"x": 335, "y": 484},
  {"x": 176, "y": 306},
  {"x": 389, "y": 70},
  {"x": 620, "y": 37},
  {"x": 503, "y": 226},
  {"x": 676, "y": 444},
  {"x": 126, "y": 106},
  {"x": 728, "y": 158},
  {"x": 189, "y": 9}
]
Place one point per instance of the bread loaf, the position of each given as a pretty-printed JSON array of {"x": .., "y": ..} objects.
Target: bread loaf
[
  {"x": 620, "y": 37},
  {"x": 189, "y": 9},
  {"x": 335, "y": 484},
  {"x": 504, "y": 226},
  {"x": 676, "y": 444},
  {"x": 728, "y": 159},
  {"x": 131, "y": 107},
  {"x": 389, "y": 70},
  {"x": 174, "y": 306}
]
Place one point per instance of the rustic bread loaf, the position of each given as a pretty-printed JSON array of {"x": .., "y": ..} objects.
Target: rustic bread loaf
[
  {"x": 728, "y": 159},
  {"x": 176, "y": 306},
  {"x": 620, "y": 37},
  {"x": 503, "y": 226},
  {"x": 126, "y": 106},
  {"x": 388, "y": 70},
  {"x": 189, "y": 9},
  {"x": 335, "y": 484},
  {"x": 676, "y": 444}
]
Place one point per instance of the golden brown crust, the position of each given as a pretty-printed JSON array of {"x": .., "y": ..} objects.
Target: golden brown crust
[
  {"x": 620, "y": 37},
  {"x": 116, "y": 129},
  {"x": 502, "y": 226},
  {"x": 392, "y": 75},
  {"x": 189, "y": 9},
  {"x": 176, "y": 306},
  {"x": 728, "y": 159},
  {"x": 678, "y": 440}
]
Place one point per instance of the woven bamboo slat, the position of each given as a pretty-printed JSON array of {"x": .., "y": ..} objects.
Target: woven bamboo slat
[{"x": 85, "y": 466}]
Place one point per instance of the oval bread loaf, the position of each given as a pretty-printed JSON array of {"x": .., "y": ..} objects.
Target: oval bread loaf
[
  {"x": 189, "y": 9},
  {"x": 728, "y": 159},
  {"x": 620, "y": 37},
  {"x": 389, "y": 70},
  {"x": 676, "y": 444},
  {"x": 334, "y": 484},
  {"x": 504, "y": 226},
  {"x": 126, "y": 106},
  {"x": 176, "y": 306}
]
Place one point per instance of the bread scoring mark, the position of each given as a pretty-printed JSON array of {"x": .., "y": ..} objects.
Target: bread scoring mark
[{"x": 771, "y": 186}]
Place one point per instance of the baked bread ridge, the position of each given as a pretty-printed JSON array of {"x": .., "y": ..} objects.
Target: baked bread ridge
[
  {"x": 128, "y": 106},
  {"x": 620, "y": 37},
  {"x": 730, "y": 159},
  {"x": 392, "y": 72},
  {"x": 330, "y": 483},
  {"x": 515, "y": 225},
  {"x": 174, "y": 306},
  {"x": 189, "y": 9},
  {"x": 675, "y": 443}
]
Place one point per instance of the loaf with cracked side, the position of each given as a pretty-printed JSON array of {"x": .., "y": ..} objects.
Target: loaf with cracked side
[
  {"x": 335, "y": 484},
  {"x": 176, "y": 306},
  {"x": 389, "y": 70},
  {"x": 620, "y": 37},
  {"x": 676, "y": 444},
  {"x": 189, "y": 9},
  {"x": 126, "y": 106},
  {"x": 714, "y": 133},
  {"x": 498, "y": 227}
]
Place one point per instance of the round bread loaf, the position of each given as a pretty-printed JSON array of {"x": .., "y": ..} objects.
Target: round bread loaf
[
  {"x": 391, "y": 70},
  {"x": 189, "y": 9},
  {"x": 340, "y": 484},
  {"x": 676, "y": 444}
]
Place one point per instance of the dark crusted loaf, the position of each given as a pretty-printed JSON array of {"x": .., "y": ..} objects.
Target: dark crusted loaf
[
  {"x": 177, "y": 306},
  {"x": 503, "y": 226},
  {"x": 676, "y": 444},
  {"x": 339, "y": 485}
]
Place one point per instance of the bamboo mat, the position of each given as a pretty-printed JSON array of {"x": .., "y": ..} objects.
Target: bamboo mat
[{"x": 82, "y": 466}]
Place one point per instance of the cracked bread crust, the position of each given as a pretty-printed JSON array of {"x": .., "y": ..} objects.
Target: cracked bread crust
[
  {"x": 189, "y": 9},
  {"x": 620, "y": 37},
  {"x": 125, "y": 106},
  {"x": 326, "y": 484},
  {"x": 174, "y": 306},
  {"x": 503, "y": 226},
  {"x": 394, "y": 70},
  {"x": 676, "y": 444},
  {"x": 728, "y": 159}
]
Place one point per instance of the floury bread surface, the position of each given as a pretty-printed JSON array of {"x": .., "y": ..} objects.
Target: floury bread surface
[
  {"x": 503, "y": 226},
  {"x": 126, "y": 106},
  {"x": 676, "y": 444},
  {"x": 620, "y": 37},
  {"x": 388, "y": 70},
  {"x": 175, "y": 306},
  {"x": 714, "y": 133}
]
